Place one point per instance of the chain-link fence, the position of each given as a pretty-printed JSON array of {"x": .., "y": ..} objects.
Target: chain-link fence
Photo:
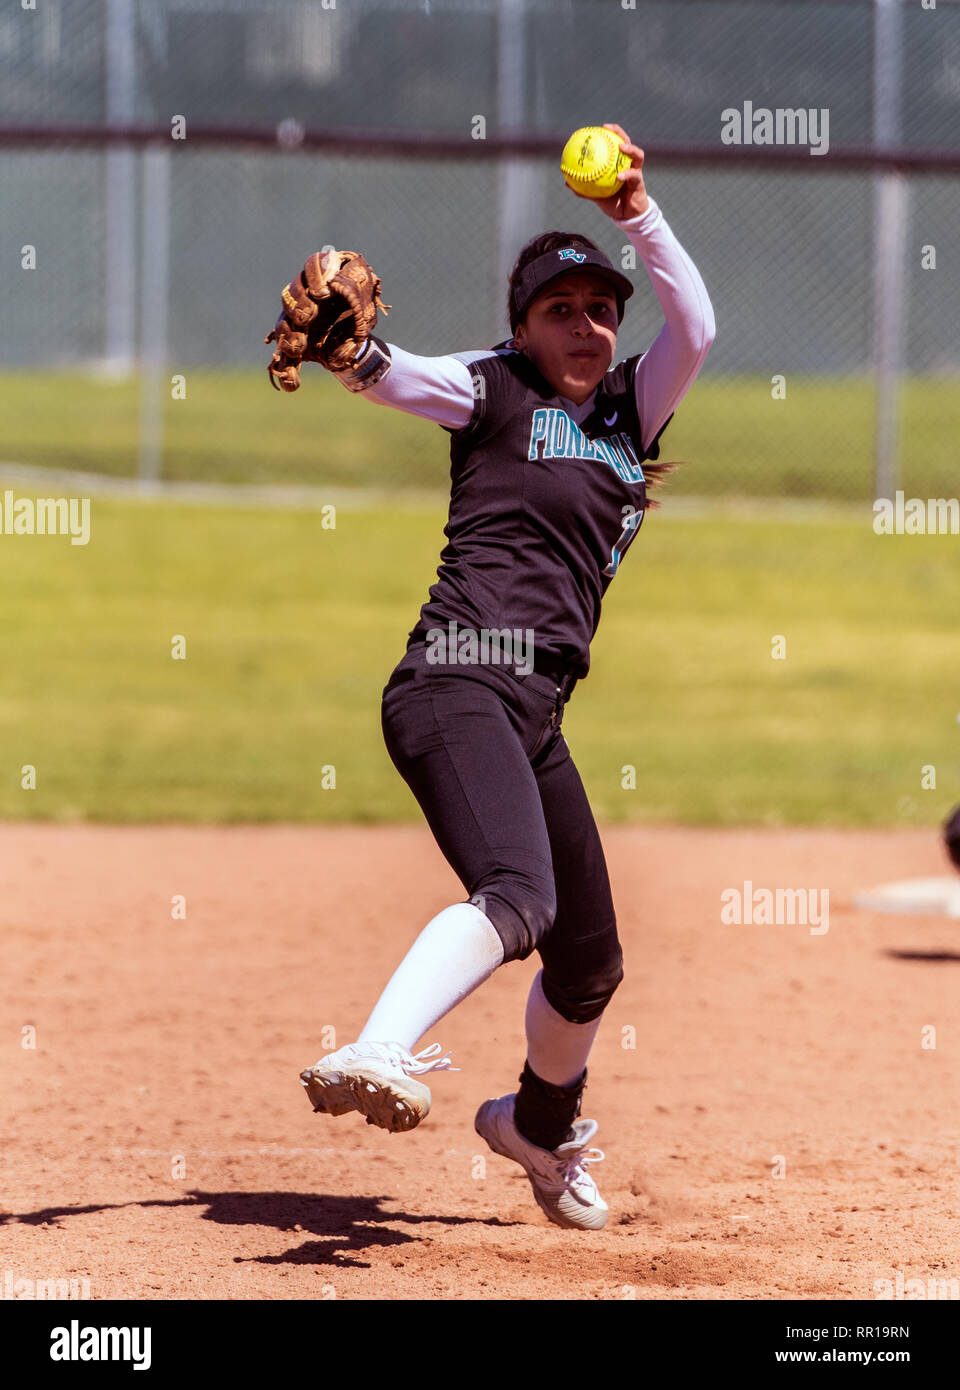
[
  {"x": 149, "y": 273},
  {"x": 421, "y": 64}
]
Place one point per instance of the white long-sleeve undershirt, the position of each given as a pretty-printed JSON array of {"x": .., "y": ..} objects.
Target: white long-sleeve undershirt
[{"x": 441, "y": 388}]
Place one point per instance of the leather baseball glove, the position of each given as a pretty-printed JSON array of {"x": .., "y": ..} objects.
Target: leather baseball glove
[{"x": 329, "y": 312}]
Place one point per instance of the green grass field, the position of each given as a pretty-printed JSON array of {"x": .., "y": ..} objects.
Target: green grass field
[
  {"x": 292, "y": 630},
  {"x": 233, "y": 428}
]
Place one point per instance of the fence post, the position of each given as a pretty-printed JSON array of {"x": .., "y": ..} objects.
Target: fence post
[
  {"x": 518, "y": 182},
  {"x": 155, "y": 259},
  {"x": 890, "y": 210},
  {"x": 120, "y": 233}
]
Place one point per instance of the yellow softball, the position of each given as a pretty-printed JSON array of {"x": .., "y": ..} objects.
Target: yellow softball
[{"x": 591, "y": 161}]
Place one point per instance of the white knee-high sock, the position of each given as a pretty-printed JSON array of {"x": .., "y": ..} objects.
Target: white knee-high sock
[
  {"x": 454, "y": 953},
  {"x": 557, "y": 1049}
]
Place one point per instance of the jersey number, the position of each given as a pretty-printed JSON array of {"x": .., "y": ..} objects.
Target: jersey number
[{"x": 630, "y": 528}]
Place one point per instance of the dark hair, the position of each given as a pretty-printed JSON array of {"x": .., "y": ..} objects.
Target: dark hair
[{"x": 539, "y": 246}]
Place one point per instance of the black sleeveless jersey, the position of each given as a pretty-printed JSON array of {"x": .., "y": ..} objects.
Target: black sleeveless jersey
[{"x": 542, "y": 509}]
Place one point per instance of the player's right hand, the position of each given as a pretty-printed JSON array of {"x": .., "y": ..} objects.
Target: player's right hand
[{"x": 632, "y": 199}]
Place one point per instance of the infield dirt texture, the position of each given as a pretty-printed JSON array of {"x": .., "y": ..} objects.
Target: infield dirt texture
[{"x": 156, "y": 1140}]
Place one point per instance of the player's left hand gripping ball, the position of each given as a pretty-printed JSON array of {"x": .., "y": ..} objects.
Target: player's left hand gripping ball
[{"x": 329, "y": 312}]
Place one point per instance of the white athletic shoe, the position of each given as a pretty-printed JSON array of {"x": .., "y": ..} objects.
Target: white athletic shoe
[
  {"x": 376, "y": 1079},
  {"x": 564, "y": 1189}
]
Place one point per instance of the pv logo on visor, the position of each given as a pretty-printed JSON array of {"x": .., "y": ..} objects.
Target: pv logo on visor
[{"x": 570, "y": 255}]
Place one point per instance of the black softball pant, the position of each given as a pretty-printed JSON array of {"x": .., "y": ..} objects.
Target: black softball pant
[{"x": 482, "y": 750}]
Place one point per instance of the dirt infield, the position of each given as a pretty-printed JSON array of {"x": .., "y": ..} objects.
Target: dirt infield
[{"x": 156, "y": 1141}]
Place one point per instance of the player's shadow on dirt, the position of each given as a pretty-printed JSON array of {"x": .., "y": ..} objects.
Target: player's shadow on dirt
[
  {"x": 345, "y": 1223},
  {"x": 952, "y": 956}
]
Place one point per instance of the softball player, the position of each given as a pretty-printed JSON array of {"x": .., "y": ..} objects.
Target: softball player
[{"x": 549, "y": 487}]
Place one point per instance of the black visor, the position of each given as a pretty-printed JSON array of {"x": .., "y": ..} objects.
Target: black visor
[{"x": 566, "y": 259}]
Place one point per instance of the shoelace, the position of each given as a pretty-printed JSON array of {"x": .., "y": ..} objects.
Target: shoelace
[
  {"x": 419, "y": 1063},
  {"x": 398, "y": 1056},
  {"x": 582, "y": 1159},
  {"x": 563, "y": 1172}
]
